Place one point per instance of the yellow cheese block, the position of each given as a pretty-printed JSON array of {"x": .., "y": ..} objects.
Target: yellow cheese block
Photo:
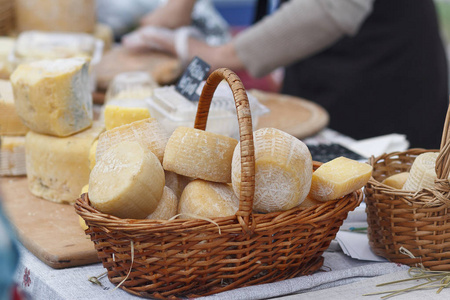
[
  {"x": 10, "y": 122},
  {"x": 127, "y": 182},
  {"x": 55, "y": 15},
  {"x": 167, "y": 207},
  {"x": 58, "y": 168},
  {"x": 207, "y": 199},
  {"x": 283, "y": 170},
  {"x": 12, "y": 156},
  {"x": 148, "y": 132},
  {"x": 199, "y": 154},
  {"x": 396, "y": 181},
  {"x": 339, "y": 177},
  {"x": 117, "y": 115},
  {"x": 422, "y": 173},
  {"x": 53, "y": 96}
]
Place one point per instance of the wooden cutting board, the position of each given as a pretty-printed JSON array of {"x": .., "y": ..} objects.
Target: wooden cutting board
[
  {"x": 164, "y": 68},
  {"x": 296, "y": 116},
  {"x": 50, "y": 231}
]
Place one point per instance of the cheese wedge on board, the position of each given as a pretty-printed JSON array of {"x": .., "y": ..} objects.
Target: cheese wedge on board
[
  {"x": 10, "y": 122},
  {"x": 12, "y": 156},
  {"x": 58, "y": 167},
  {"x": 53, "y": 96},
  {"x": 283, "y": 170},
  {"x": 127, "y": 181}
]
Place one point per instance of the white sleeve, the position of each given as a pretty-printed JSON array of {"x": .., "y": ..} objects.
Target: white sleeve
[{"x": 299, "y": 28}]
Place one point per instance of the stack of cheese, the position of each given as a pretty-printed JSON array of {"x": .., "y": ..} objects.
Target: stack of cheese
[
  {"x": 53, "y": 99},
  {"x": 12, "y": 134},
  {"x": 140, "y": 172}
]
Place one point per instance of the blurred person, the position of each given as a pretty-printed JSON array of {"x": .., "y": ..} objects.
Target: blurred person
[{"x": 377, "y": 66}]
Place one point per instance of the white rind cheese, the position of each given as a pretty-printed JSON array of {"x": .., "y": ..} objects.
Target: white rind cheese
[
  {"x": 127, "y": 181},
  {"x": 53, "y": 96},
  {"x": 207, "y": 199},
  {"x": 199, "y": 154},
  {"x": 58, "y": 168},
  {"x": 167, "y": 207},
  {"x": 148, "y": 132},
  {"x": 283, "y": 170},
  {"x": 12, "y": 156},
  {"x": 10, "y": 122},
  {"x": 423, "y": 172}
]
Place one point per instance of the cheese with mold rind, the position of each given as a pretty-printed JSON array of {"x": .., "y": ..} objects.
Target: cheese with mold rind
[
  {"x": 53, "y": 96},
  {"x": 58, "y": 167}
]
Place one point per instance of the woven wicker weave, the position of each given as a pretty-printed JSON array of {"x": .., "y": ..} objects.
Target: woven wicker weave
[
  {"x": 169, "y": 259},
  {"x": 419, "y": 222}
]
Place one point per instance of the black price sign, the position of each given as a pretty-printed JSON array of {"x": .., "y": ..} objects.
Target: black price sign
[{"x": 195, "y": 73}]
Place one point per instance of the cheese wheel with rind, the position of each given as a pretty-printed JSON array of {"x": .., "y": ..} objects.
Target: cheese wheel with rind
[
  {"x": 127, "y": 181},
  {"x": 397, "y": 181},
  {"x": 283, "y": 170},
  {"x": 167, "y": 207},
  {"x": 199, "y": 154},
  {"x": 207, "y": 199},
  {"x": 422, "y": 173}
]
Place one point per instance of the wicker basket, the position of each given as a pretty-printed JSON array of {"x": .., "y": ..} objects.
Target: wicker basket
[
  {"x": 191, "y": 258},
  {"x": 407, "y": 227}
]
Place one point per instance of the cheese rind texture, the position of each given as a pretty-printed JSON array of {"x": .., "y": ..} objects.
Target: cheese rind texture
[
  {"x": 422, "y": 173},
  {"x": 12, "y": 156},
  {"x": 148, "y": 132},
  {"x": 339, "y": 177},
  {"x": 283, "y": 170},
  {"x": 53, "y": 96},
  {"x": 396, "y": 181},
  {"x": 199, "y": 154},
  {"x": 176, "y": 182},
  {"x": 207, "y": 199},
  {"x": 10, "y": 122},
  {"x": 127, "y": 181},
  {"x": 58, "y": 167},
  {"x": 167, "y": 207}
]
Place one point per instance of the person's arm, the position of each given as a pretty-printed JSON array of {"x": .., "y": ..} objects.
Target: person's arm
[
  {"x": 172, "y": 14},
  {"x": 300, "y": 28}
]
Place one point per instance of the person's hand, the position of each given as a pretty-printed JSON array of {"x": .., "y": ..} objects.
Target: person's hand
[
  {"x": 173, "y": 14},
  {"x": 150, "y": 38}
]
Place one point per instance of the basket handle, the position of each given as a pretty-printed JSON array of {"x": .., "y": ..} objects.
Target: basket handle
[
  {"x": 245, "y": 132},
  {"x": 443, "y": 159}
]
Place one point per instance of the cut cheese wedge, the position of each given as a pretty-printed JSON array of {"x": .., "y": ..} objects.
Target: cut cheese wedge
[
  {"x": 397, "y": 181},
  {"x": 148, "y": 133},
  {"x": 127, "y": 181},
  {"x": 167, "y": 207},
  {"x": 422, "y": 173},
  {"x": 12, "y": 156},
  {"x": 199, "y": 154},
  {"x": 53, "y": 96},
  {"x": 339, "y": 177},
  {"x": 283, "y": 170},
  {"x": 207, "y": 199}
]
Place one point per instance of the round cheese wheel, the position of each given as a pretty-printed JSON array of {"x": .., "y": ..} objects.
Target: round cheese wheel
[
  {"x": 127, "y": 181},
  {"x": 283, "y": 170}
]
